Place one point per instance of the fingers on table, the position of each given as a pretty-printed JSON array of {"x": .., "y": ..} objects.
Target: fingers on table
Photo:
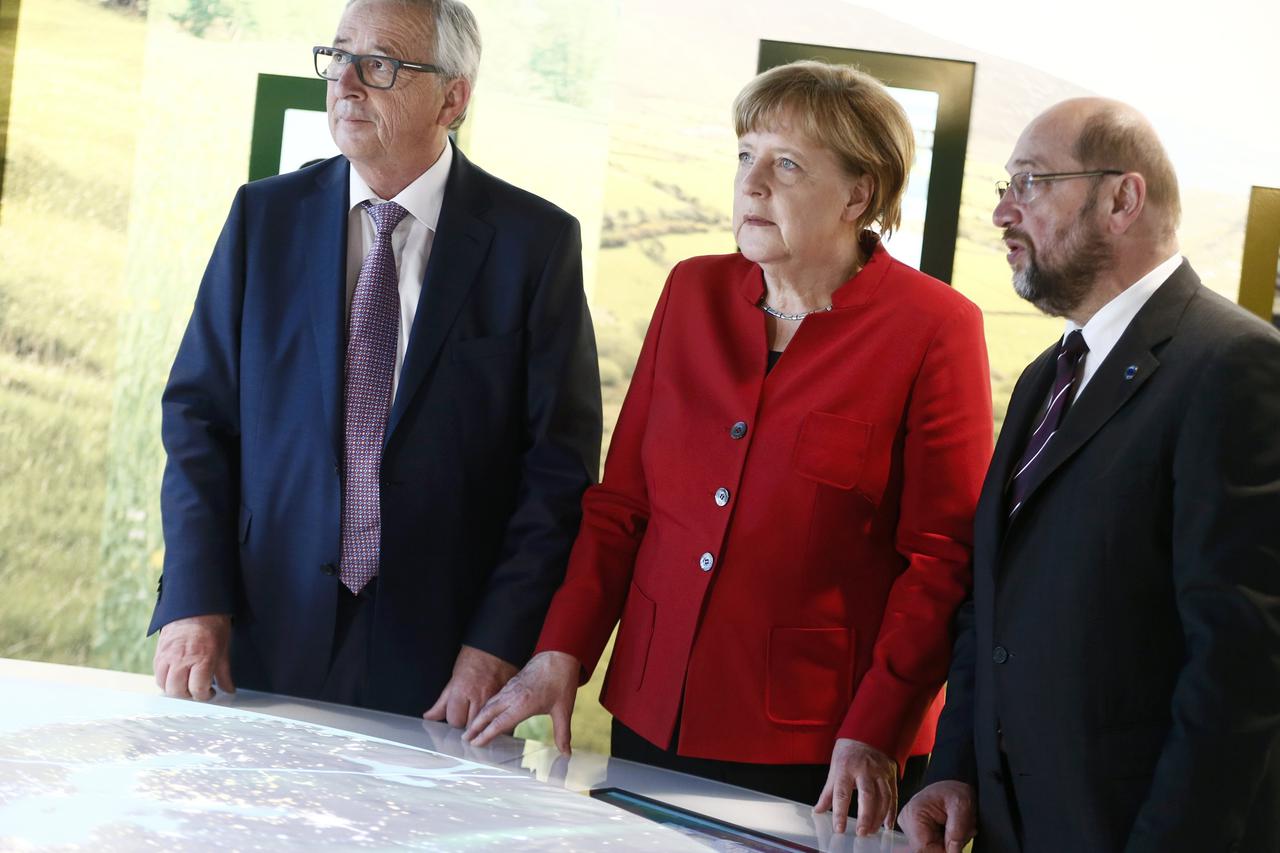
[
  {"x": 222, "y": 674},
  {"x": 200, "y": 680},
  {"x": 436, "y": 712},
  {"x": 499, "y": 715},
  {"x": 872, "y": 803},
  {"x": 561, "y": 724},
  {"x": 960, "y": 824},
  {"x": 177, "y": 680},
  {"x": 458, "y": 710}
]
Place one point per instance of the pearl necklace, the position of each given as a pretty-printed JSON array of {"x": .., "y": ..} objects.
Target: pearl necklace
[{"x": 774, "y": 312}]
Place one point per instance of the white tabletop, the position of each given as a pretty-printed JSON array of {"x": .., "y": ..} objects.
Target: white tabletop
[{"x": 65, "y": 695}]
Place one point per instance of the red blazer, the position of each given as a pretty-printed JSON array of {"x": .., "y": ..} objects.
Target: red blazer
[{"x": 785, "y": 552}]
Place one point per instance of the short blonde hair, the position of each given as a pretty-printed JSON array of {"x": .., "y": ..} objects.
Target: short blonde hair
[{"x": 849, "y": 112}]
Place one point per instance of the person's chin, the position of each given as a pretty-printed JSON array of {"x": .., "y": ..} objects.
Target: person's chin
[
  {"x": 355, "y": 147},
  {"x": 352, "y": 132},
  {"x": 758, "y": 251},
  {"x": 1025, "y": 287}
]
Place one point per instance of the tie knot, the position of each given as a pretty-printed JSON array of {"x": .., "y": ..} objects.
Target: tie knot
[
  {"x": 385, "y": 216},
  {"x": 1074, "y": 346}
]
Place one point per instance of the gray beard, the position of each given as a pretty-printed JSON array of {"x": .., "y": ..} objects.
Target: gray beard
[{"x": 1059, "y": 290}]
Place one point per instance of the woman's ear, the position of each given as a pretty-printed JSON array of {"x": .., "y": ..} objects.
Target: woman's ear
[{"x": 858, "y": 200}]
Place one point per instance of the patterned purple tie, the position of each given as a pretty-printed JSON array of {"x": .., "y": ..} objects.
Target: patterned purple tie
[
  {"x": 1070, "y": 353},
  {"x": 371, "y": 357}
]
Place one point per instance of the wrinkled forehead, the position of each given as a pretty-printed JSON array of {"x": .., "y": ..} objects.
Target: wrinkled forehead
[{"x": 384, "y": 27}]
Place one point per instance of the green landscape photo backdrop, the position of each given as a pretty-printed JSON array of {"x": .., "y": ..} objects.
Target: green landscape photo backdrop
[{"x": 128, "y": 132}]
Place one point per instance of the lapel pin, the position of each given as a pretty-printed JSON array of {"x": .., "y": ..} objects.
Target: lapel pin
[{"x": 1131, "y": 371}]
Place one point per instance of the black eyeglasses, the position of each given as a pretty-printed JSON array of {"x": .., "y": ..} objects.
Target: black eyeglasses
[
  {"x": 1023, "y": 183},
  {"x": 376, "y": 72}
]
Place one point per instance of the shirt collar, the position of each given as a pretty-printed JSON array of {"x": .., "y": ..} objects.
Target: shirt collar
[
  {"x": 422, "y": 198},
  {"x": 1107, "y": 325}
]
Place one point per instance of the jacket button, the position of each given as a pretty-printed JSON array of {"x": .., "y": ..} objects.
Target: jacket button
[
  {"x": 722, "y": 496},
  {"x": 706, "y": 561},
  {"x": 329, "y": 569},
  {"x": 1000, "y": 654},
  {"x": 739, "y": 430}
]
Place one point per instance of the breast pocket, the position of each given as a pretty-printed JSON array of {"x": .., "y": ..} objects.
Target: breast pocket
[
  {"x": 489, "y": 347},
  {"x": 835, "y": 450},
  {"x": 487, "y": 381}
]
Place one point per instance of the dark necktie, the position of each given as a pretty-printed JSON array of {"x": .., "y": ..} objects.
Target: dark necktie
[
  {"x": 371, "y": 358},
  {"x": 1070, "y": 353}
]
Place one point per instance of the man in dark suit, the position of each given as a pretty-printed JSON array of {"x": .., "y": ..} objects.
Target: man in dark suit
[
  {"x": 386, "y": 406},
  {"x": 1116, "y": 675}
]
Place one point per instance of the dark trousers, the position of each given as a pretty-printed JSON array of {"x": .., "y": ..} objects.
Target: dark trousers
[
  {"x": 347, "y": 682},
  {"x": 802, "y": 783}
]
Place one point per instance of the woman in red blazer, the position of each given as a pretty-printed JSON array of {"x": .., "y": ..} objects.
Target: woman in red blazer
[{"x": 784, "y": 523}]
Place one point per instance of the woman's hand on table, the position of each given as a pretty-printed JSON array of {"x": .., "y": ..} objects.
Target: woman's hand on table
[
  {"x": 861, "y": 770},
  {"x": 548, "y": 684}
]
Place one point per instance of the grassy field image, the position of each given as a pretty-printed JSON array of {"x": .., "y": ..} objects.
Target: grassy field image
[{"x": 129, "y": 133}]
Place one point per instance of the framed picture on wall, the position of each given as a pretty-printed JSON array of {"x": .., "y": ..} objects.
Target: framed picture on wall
[
  {"x": 937, "y": 95},
  {"x": 1260, "y": 268},
  {"x": 289, "y": 125}
]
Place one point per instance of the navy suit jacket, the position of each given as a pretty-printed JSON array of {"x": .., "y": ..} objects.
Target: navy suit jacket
[
  {"x": 1122, "y": 645},
  {"x": 493, "y": 435}
]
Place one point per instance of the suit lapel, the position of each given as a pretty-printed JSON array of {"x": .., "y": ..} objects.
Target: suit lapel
[
  {"x": 458, "y": 251},
  {"x": 1129, "y": 366},
  {"x": 1025, "y": 402},
  {"x": 323, "y": 267}
]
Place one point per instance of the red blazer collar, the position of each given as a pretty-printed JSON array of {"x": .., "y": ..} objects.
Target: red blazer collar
[{"x": 854, "y": 293}]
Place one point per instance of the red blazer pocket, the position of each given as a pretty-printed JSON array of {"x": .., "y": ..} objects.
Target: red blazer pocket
[
  {"x": 809, "y": 675},
  {"x": 635, "y": 633},
  {"x": 832, "y": 449}
]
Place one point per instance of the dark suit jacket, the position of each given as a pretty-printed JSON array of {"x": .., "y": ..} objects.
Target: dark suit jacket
[
  {"x": 493, "y": 435},
  {"x": 1123, "y": 640}
]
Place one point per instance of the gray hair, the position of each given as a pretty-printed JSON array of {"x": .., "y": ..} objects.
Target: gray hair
[
  {"x": 457, "y": 44},
  {"x": 457, "y": 40}
]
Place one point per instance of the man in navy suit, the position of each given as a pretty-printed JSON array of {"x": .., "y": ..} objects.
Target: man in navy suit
[
  {"x": 386, "y": 406},
  {"x": 1115, "y": 683}
]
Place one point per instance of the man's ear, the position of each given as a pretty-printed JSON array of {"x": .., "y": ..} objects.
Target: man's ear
[
  {"x": 861, "y": 189},
  {"x": 457, "y": 94},
  {"x": 1126, "y": 202}
]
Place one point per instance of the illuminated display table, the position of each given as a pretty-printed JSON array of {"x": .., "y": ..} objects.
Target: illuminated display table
[{"x": 95, "y": 760}]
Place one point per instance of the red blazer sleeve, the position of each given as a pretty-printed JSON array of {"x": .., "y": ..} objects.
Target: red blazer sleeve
[
  {"x": 947, "y": 447},
  {"x": 614, "y": 516}
]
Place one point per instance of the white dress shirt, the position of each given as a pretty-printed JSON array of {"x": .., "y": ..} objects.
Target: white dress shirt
[
  {"x": 410, "y": 242},
  {"x": 1105, "y": 327}
]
